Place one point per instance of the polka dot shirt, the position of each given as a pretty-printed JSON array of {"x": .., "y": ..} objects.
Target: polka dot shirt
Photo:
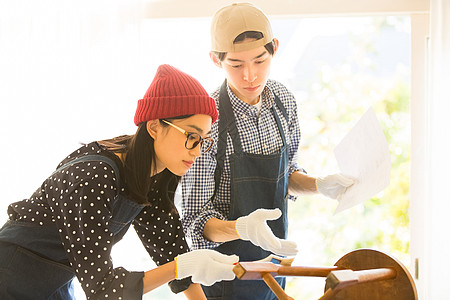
[{"x": 77, "y": 200}]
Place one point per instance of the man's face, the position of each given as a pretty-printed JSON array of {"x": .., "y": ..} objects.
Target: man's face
[{"x": 247, "y": 72}]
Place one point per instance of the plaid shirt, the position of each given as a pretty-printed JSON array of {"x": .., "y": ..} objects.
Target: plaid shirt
[{"x": 259, "y": 134}]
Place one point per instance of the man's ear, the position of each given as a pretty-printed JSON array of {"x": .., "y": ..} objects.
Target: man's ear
[
  {"x": 276, "y": 44},
  {"x": 152, "y": 128},
  {"x": 215, "y": 59}
]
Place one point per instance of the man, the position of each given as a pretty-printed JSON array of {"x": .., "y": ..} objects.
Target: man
[{"x": 251, "y": 171}]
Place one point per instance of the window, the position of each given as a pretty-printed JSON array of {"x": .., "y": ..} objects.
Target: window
[{"x": 75, "y": 73}]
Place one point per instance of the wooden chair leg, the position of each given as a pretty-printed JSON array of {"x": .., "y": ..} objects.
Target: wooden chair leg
[
  {"x": 328, "y": 295},
  {"x": 275, "y": 287}
]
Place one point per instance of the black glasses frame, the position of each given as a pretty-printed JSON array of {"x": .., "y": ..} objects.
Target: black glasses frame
[{"x": 191, "y": 134}]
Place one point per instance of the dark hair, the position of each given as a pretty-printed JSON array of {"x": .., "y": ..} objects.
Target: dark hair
[
  {"x": 138, "y": 167},
  {"x": 254, "y": 35}
]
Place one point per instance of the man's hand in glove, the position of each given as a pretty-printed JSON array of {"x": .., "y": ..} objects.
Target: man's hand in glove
[
  {"x": 254, "y": 228},
  {"x": 334, "y": 186}
]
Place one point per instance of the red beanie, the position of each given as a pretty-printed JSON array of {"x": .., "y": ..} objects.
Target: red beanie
[{"x": 174, "y": 93}]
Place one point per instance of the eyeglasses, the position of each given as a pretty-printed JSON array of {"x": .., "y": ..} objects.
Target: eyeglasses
[{"x": 193, "y": 139}]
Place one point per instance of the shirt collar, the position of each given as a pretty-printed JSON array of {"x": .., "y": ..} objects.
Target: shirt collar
[{"x": 240, "y": 107}]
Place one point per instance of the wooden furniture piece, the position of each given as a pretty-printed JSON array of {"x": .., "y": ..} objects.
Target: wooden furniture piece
[{"x": 361, "y": 274}]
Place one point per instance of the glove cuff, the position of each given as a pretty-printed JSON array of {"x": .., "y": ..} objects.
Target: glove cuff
[
  {"x": 241, "y": 228},
  {"x": 184, "y": 264},
  {"x": 319, "y": 185}
]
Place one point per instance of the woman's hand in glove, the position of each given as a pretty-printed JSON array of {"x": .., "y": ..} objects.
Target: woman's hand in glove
[
  {"x": 334, "y": 186},
  {"x": 254, "y": 228},
  {"x": 205, "y": 266}
]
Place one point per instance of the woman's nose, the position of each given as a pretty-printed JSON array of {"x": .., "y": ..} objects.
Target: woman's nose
[{"x": 197, "y": 150}]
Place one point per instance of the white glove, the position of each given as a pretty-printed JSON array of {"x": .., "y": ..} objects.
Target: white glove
[
  {"x": 205, "y": 266},
  {"x": 334, "y": 186},
  {"x": 254, "y": 228}
]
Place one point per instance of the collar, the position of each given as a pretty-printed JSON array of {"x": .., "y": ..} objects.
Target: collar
[{"x": 244, "y": 109}]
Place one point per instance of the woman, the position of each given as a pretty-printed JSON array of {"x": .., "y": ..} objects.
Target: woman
[{"x": 69, "y": 225}]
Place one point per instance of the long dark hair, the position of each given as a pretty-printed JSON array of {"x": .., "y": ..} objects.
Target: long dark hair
[{"x": 139, "y": 157}]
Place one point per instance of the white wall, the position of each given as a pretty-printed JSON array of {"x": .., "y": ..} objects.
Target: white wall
[{"x": 205, "y": 8}]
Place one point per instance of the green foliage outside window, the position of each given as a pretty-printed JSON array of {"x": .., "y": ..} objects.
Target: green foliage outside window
[{"x": 328, "y": 109}]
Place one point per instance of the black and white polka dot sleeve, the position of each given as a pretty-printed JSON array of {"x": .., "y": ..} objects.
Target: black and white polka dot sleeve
[
  {"x": 82, "y": 215},
  {"x": 162, "y": 234}
]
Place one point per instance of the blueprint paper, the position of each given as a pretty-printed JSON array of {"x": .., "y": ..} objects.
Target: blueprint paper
[{"x": 364, "y": 154}]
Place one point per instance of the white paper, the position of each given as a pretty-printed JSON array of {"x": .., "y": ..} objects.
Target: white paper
[{"x": 364, "y": 154}]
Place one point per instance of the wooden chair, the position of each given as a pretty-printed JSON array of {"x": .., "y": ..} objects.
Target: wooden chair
[{"x": 361, "y": 274}]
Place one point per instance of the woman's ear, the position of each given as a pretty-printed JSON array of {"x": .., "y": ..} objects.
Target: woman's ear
[
  {"x": 215, "y": 59},
  {"x": 152, "y": 128}
]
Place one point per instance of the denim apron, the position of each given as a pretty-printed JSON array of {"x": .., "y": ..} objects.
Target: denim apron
[
  {"x": 33, "y": 262},
  {"x": 257, "y": 181}
]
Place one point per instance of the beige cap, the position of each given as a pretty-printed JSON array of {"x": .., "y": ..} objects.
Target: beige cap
[{"x": 232, "y": 20}]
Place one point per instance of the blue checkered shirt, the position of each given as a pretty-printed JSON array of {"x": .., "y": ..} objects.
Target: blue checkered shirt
[{"x": 259, "y": 134}]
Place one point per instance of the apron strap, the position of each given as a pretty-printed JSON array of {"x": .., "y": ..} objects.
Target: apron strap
[
  {"x": 280, "y": 127},
  {"x": 227, "y": 123},
  {"x": 93, "y": 157},
  {"x": 281, "y": 107}
]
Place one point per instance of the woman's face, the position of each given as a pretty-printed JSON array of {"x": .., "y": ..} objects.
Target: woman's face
[{"x": 169, "y": 144}]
